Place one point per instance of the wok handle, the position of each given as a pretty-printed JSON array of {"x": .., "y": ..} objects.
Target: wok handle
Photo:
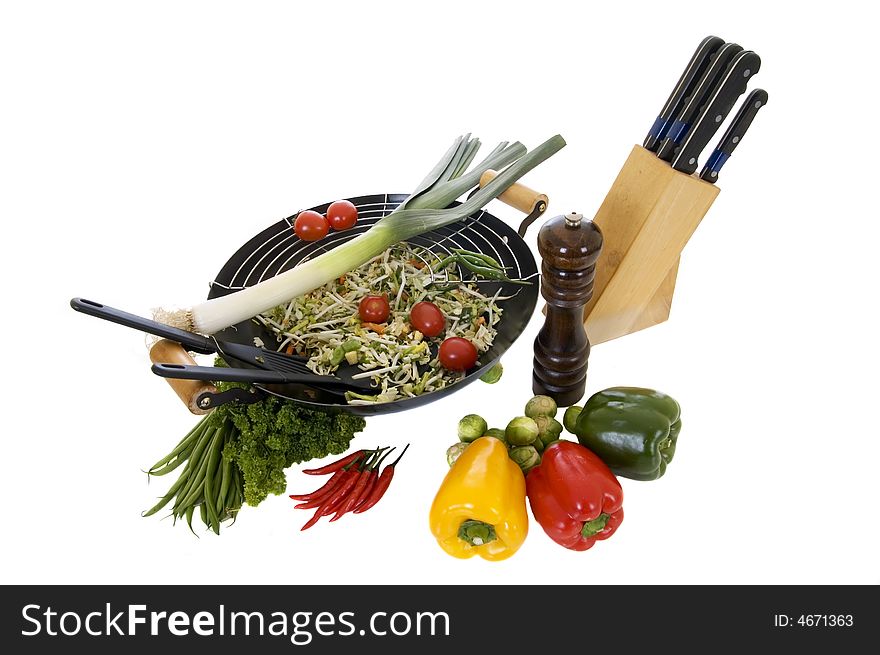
[
  {"x": 522, "y": 198},
  {"x": 165, "y": 351},
  {"x": 195, "y": 342},
  {"x": 247, "y": 375},
  {"x": 216, "y": 373}
]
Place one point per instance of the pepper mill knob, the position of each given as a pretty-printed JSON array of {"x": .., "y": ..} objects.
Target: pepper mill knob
[{"x": 569, "y": 247}]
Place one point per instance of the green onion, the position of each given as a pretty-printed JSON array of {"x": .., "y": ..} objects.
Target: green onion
[{"x": 426, "y": 209}]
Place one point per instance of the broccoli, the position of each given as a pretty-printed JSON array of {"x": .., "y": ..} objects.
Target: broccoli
[{"x": 274, "y": 433}]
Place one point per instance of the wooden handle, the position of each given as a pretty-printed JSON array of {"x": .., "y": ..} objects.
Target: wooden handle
[
  {"x": 517, "y": 196},
  {"x": 170, "y": 352}
]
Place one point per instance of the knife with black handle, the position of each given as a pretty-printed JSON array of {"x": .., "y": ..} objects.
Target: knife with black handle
[
  {"x": 688, "y": 81},
  {"x": 734, "y": 134},
  {"x": 743, "y": 67},
  {"x": 680, "y": 127}
]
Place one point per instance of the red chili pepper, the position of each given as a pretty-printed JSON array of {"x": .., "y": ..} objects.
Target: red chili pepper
[
  {"x": 316, "y": 498},
  {"x": 335, "y": 499},
  {"x": 351, "y": 497},
  {"x": 382, "y": 485},
  {"x": 371, "y": 484},
  {"x": 322, "y": 491},
  {"x": 338, "y": 464},
  {"x": 359, "y": 486}
]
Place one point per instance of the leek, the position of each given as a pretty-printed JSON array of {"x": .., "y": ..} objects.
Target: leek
[{"x": 427, "y": 208}]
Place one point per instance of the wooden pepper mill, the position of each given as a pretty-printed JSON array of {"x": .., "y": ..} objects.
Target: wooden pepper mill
[{"x": 569, "y": 247}]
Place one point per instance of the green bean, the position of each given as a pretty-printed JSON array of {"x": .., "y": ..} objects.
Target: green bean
[
  {"x": 216, "y": 498},
  {"x": 225, "y": 481},
  {"x": 189, "y": 518},
  {"x": 203, "y": 512},
  {"x": 167, "y": 468},
  {"x": 209, "y": 481},
  {"x": 230, "y": 499},
  {"x": 195, "y": 473},
  {"x": 195, "y": 458},
  {"x": 238, "y": 488},
  {"x": 191, "y": 437},
  {"x": 195, "y": 487},
  {"x": 166, "y": 498}
]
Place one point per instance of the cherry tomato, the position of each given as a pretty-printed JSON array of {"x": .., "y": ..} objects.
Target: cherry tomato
[
  {"x": 457, "y": 354},
  {"x": 342, "y": 215},
  {"x": 310, "y": 226},
  {"x": 374, "y": 309},
  {"x": 427, "y": 318}
]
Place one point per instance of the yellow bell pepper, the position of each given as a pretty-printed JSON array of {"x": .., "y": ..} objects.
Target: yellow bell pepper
[{"x": 480, "y": 508}]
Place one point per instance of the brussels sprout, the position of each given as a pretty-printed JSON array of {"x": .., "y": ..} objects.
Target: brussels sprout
[
  {"x": 454, "y": 452},
  {"x": 521, "y": 431},
  {"x": 541, "y": 406},
  {"x": 570, "y": 418},
  {"x": 526, "y": 457},
  {"x": 471, "y": 428},
  {"x": 493, "y": 374},
  {"x": 548, "y": 429},
  {"x": 496, "y": 434}
]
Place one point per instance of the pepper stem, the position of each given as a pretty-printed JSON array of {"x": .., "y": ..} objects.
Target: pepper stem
[
  {"x": 476, "y": 533},
  {"x": 594, "y": 527}
]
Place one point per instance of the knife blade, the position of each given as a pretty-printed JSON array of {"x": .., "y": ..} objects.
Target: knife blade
[
  {"x": 679, "y": 127},
  {"x": 743, "y": 67},
  {"x": 734, "y": 134},
  {"x": 686, "y": 84}
]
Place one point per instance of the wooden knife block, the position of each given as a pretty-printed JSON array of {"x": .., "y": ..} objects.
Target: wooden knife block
[{"x": 646, "y": 219}]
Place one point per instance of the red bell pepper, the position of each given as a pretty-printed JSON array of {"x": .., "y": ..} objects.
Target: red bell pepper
[{"x": 574, "y": 496}]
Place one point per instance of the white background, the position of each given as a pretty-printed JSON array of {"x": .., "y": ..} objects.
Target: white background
[{"x": 143, "y": 143}]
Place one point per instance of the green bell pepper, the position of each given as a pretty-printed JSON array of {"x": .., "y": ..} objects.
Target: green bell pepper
[{"x": 633, "y": 430}]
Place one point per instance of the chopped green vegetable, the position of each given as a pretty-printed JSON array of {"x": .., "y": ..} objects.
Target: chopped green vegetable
[
  {"x": 526, "y": 457},
  {"x": 496, "y": 433},
  {"x": 471, "y": 428},
  {"x": 541, "y": 406},
  {"x": 569, "y": 419},
  {"x": 521, "y": 431},
  {"x": 454, "y": 452},
  {"x": 493, "y": 374}
]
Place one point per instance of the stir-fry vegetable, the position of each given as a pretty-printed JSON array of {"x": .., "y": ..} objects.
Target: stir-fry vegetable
[
  {"x": 426, "y": 209},
  {"x": 326, "y": 325}
]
